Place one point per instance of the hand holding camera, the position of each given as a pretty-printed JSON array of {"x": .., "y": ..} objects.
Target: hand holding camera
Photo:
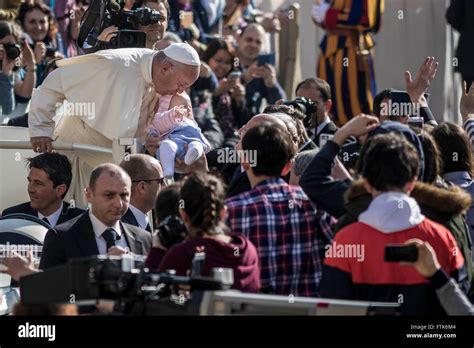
[
  {"x": 108, "y": 33},
  {"x": 28, "y": 57},
  {"x": 40, "y": 51},
  {"x": 7, "y": 62}
]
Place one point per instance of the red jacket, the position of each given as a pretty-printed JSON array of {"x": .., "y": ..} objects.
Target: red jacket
[{"x": 370, "y": 278}]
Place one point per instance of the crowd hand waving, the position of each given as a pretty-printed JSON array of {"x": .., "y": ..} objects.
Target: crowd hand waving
[
  {"x": 359, "y": 125},
  {"x": 7, "y": 64},
  {"x": 466, "y": 106},
  {"x": 417, "y": 88},
  {"x": 41, "y": 144},
  {"x": 40, "y": 51},
  {"x": 108, "y": 33}
]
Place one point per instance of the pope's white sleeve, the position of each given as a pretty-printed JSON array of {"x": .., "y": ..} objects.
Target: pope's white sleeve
[{"x": 44, "y": 103}]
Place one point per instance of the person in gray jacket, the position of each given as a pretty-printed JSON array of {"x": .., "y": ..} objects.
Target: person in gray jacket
[{"x": 451, "y": 297}]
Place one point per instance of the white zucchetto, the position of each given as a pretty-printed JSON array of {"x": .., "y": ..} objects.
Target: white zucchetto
[{"x": 183, "y": 53}]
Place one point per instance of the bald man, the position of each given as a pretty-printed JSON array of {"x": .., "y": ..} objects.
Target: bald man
[
  {"x": 147, "y": 180},
  {"x": 99, "y": 230},
  {"x": 106, "y": 95},
  {"x": 260, "y": 80},
  {"x": 240, "y": 182}
]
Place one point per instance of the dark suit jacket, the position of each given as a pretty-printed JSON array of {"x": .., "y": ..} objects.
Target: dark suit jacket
[
  {"x": 75, "y": 239},
  {"x": 239, "y": 183},
  {"x": 129, "y": 218},
  {"x": 460, "y": 15},
  {"x": 330, "y": 128},
  {"x": 67, "y": 214}
]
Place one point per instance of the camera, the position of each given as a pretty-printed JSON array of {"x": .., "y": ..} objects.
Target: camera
[
  {"x": 171, "y": 231},
  {"x": 12, "y": 50},
  {"x": 306, "y": 106},
  {"x": 105, "y": 13}
]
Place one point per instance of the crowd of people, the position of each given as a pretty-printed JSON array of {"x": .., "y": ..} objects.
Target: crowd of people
[{"x": 298, "y": 198}]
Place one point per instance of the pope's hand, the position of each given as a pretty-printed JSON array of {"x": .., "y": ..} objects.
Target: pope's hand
[{"x": 41, "y": 144}]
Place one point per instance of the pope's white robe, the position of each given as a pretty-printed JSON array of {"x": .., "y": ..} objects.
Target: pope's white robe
[{"x": 116, "y": 84}]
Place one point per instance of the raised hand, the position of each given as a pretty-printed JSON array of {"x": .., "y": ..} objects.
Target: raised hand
[
  {"x": 40, "y": 51},
  {"x": 466, "y": 106},
  {"x": 426, "y": 73}
]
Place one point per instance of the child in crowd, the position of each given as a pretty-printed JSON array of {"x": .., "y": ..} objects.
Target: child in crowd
[{"x": 174, "y": 123}]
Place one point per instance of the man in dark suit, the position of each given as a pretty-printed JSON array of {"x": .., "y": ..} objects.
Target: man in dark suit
[
  {"x": 460, "y": 15},
  {"x": 98, "y": 231},
  {"x": 147, "y": 179},
  {"x": 49, "y": 179},
  {"x": 318, "y": 91}
]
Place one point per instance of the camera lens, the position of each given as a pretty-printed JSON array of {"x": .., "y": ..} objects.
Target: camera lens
[{"x": 12, "y": 50}]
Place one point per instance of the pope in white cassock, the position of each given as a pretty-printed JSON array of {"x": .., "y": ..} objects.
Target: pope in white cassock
[{"x": 106, "y": 95}]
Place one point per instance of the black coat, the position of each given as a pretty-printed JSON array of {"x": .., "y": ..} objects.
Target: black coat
[
  {"x": 460, "y": 15},
  {"x": 129, "y": 218},
  {"x": 76, "y": 239},
  {"x": 67, "y": 214},
  {"x": 330, "y": 128}
]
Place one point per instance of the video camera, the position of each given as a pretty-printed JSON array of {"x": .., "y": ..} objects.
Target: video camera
[
  {"x": 307, "y": 107},
  {"x": 105, "y": 13},
  {"x": 124, "y": 279}
]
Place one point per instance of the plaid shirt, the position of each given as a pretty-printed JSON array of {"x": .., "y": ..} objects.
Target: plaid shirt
[{"x": 289, "y": 233}]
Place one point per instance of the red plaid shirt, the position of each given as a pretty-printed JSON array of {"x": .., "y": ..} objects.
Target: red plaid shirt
[{"x": 289, "y": 232}]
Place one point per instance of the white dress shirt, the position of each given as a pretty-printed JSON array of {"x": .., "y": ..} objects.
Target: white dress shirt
[
  {"x": 320, "y": 127},
  {"x": 116, "y": 84},
  {"x": 141, "y": 217},
  {"x": 54, "y": 217},
  {"x": 100, "y": 228}
]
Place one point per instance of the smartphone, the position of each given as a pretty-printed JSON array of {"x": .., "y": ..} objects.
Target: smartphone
[
  {"x": 266, "y": 59},
  {"x": 198, "y": 264},
  {"x": 234, "y": 75},
  {"x": 186, "y": 19},
  {"x": 416, "y": 122},
  {"x": 401, "y": 252},
  {"x": 323, "y": 139}
]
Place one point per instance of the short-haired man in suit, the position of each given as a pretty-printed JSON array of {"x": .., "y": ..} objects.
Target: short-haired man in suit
[
  {"x": 147, "y": 179},
  {"x": 49, "y": 179},
  {"x": 318, "y": 91},
  {"x": 98, "y": 231}
]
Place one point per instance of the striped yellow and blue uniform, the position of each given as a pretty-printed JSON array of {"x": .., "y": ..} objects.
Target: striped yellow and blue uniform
[{"x": 349, "y": 25}]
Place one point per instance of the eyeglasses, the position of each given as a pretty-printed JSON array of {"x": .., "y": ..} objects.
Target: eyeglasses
[{"x": 160, "y": 180}]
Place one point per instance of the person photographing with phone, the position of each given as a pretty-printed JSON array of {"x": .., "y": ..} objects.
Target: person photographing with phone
[
  {"x": 258, "y": 71},
  {"x": 229, "y": 96},
  {"x": 453, "y": 300},
  {"x": 391, "y": 218}
]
